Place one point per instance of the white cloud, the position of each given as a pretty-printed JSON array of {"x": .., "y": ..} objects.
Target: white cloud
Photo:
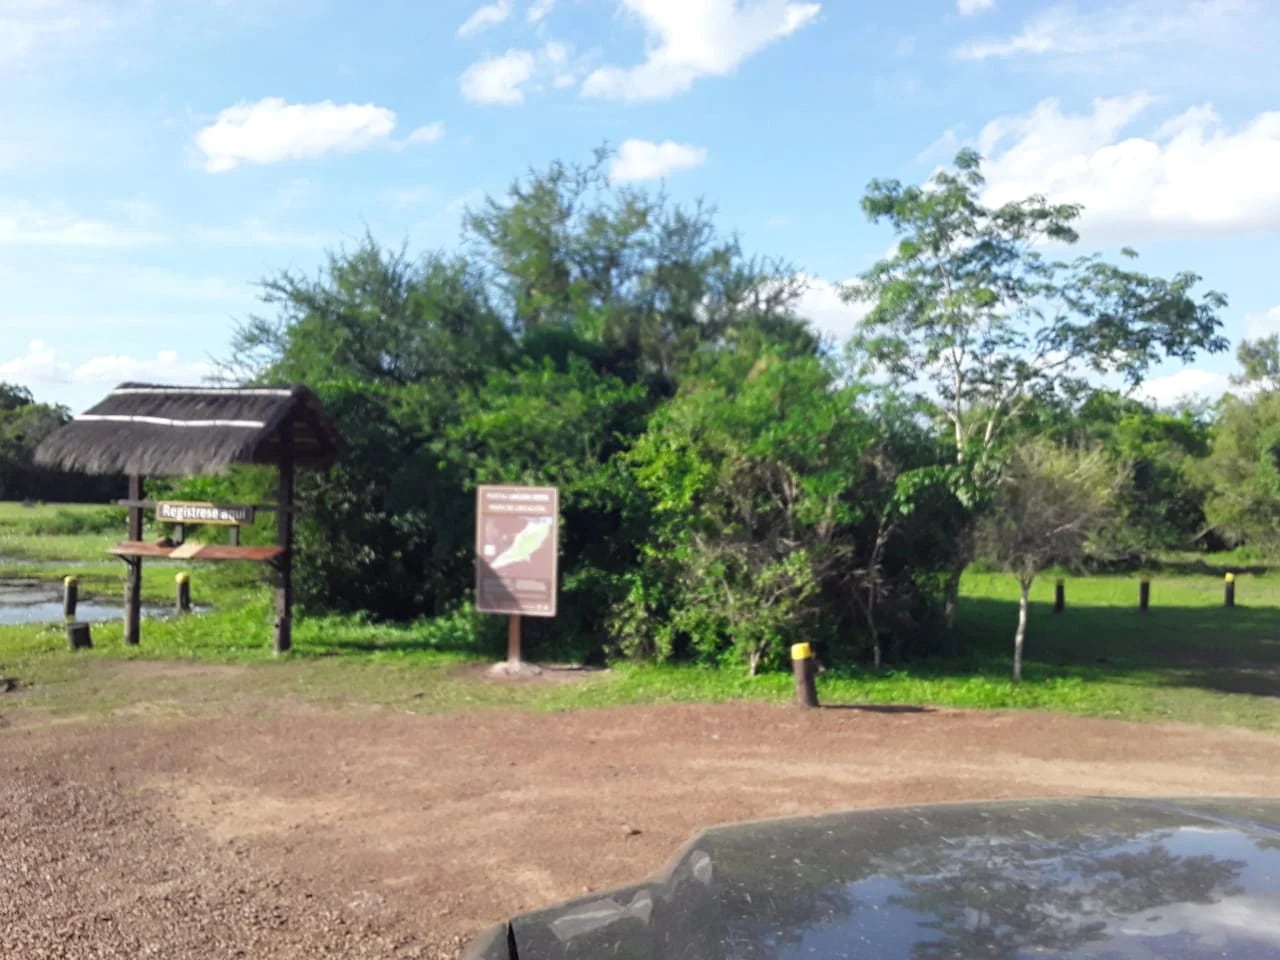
[
  {"x": 412, "y": 196},
  {"x": 1192, "y": 174},
  {"x": 1187, "y": 382},
  {"x": 505, "y": 79},
  {"x": 821, "y": 305},
  {"x": 1063, "y": 31},
  {"x": 26, "y": 225},
  {"x": 645, "y": 160},
  {"x": 30, "y": 26},
  {"x": 257, "y": 233},
  {"x": 1262, "y": 325},
  {"x": 499, "y": 79},
  {"x": 969, "y": 7},
  {"x": 538, "y": 10},
  {"x": 689, "y": 39},
  {"x": 41, "y": 366},
  {"x": 157, "y": 283},
  {"x": 272, "y": 130},
  {"x": 429, "y": 133},
  {"x": 487, "y": 16}
]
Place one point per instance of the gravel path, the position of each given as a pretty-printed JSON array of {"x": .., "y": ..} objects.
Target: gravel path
[{"x": 310, "y": 834}]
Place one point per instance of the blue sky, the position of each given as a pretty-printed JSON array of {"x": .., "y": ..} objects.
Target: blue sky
[{"x": 157, "y": 158}]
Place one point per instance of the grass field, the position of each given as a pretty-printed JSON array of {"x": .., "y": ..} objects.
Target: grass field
[{"x": 1188, "y": 658}]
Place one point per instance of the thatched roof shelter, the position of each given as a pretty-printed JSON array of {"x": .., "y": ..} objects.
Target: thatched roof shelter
[{"x": 164, "y": 431}]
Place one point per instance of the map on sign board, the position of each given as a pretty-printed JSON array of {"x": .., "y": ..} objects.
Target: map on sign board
[{"x": 517, "y": 550}]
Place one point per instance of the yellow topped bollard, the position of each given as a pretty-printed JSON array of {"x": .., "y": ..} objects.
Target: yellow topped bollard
[
  {"x": 70, "y": 596},
  {"x": 805, "y": 668},
  {"x": 1229, "y": 590},
  {"x": 183, "y": 580}
]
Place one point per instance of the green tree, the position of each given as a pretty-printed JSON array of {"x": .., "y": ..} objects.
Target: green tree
[
  {"x": 779, "y": 511},
  {"x": 649, "y": 281},
  {"x": 1241, "y": 474},
  {"x": 971, "y": 313},
  {"x": 1050, "y": 505}
]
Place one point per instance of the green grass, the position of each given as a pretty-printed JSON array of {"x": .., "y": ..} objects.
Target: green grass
[{"x": 1187, "y": 659}]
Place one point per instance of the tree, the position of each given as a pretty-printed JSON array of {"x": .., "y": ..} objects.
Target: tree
[
  {"x": 650, "y": 281},
  {"x": 771, "y": 490},
  {"x": 1241, "y": 474},
  {"x": 969, "y": 312},
  {"x": 1050, "y": 504},
  {"x": 1163, "y": 506}
]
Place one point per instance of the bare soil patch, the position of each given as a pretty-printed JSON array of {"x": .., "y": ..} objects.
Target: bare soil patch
[{"x": 312, "y": 834}]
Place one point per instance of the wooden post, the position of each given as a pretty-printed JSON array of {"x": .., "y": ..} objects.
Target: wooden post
[
  {"x": 1144, "y": 595},
  {"x": 284, "y": 540},
  {"x": 1059, "y": 596},
  {"x": 70, "y": 595},
  {"x": 183, "y": 601},
  {"x": 1229, "y": 590},
  {"x": 78, "y": 637},
  {"x": 133, "y": 577},
  {"x": 514, "y": 653},
  {"x": 804, "y": 667}
]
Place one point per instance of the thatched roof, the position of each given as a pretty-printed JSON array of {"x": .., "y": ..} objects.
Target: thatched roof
[{"x": 160, "y": 431}]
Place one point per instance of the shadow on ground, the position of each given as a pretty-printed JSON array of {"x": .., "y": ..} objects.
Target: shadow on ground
[{"x": 1229, "y": 650}]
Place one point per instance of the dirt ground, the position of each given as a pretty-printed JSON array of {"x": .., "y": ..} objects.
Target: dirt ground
[{"x": 306, "y": 834}]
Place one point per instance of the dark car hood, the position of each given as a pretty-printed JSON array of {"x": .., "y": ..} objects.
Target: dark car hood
[{"x": 1095, "y": 878}]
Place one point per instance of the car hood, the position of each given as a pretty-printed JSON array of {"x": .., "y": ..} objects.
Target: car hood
[{"x": 1098, "y": 878}]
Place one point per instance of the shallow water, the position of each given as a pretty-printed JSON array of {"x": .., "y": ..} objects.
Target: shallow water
[{"x": 36, "y": 601}]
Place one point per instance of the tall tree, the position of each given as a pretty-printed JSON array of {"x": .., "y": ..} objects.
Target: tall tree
[{"x": 971, "y": 312}]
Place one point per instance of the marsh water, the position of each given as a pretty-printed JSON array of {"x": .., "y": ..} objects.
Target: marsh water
[{"x": 27, "y": 600}]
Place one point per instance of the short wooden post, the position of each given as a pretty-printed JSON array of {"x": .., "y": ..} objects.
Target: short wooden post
[
  {"x": 1229, "y": 590},
  {"x": 514, "y": 653},
  {"x": 70, "y": 596},
  {"x": 183, "y": 601},
  {"x": 805, "y": 668},
  {"x": 1059, "y": 596},
  {"x": 1144, "y": 595},
  {"x": 78, "y": 637},
  {"x": 284, "y": 540},
  {"x": 133, "y": 577}
]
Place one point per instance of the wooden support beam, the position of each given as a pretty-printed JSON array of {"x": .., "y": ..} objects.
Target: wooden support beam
[
  {"x": 133, "y": 576},
  {"x": 514, "y": 654},
  {"x": 284, "y": 541}
]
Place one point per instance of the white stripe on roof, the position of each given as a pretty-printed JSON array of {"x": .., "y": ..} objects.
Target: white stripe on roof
[
  {"x": 210, "y": 391},
  {"x": 167, "y": 422}
]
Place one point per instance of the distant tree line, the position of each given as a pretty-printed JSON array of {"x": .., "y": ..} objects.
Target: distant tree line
[
  {"x": 23, "y": 424},
  {"x": 731, "y": 481}
]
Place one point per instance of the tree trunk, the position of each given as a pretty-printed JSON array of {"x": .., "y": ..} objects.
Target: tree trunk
[
  {"x": 964, "y": 555},
  {"x": 1021, "y": 635}
]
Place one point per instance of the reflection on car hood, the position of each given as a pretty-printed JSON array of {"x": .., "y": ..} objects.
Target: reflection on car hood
[{"x": 1131, "y": 879}]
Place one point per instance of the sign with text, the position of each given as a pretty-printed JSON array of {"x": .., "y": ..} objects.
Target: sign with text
[
  {"x": 172, "y": 511},
  {"x": 517, "y": 552}
]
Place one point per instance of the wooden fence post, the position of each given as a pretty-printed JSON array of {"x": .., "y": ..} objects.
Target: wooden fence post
[
  {"x": 70, "y": 595},
  {"x": 1059, "y": 596},
  {"x": 1229, "y": 590},
  {"x": 78, "y": 637},
  {"x": 183, "y": 580},
  {"x": 1144, "y": 596},
  {"x": 284, "y": 540},
  {"x": 805, "y": 669},
  {"x": 133, "y": 577}
]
